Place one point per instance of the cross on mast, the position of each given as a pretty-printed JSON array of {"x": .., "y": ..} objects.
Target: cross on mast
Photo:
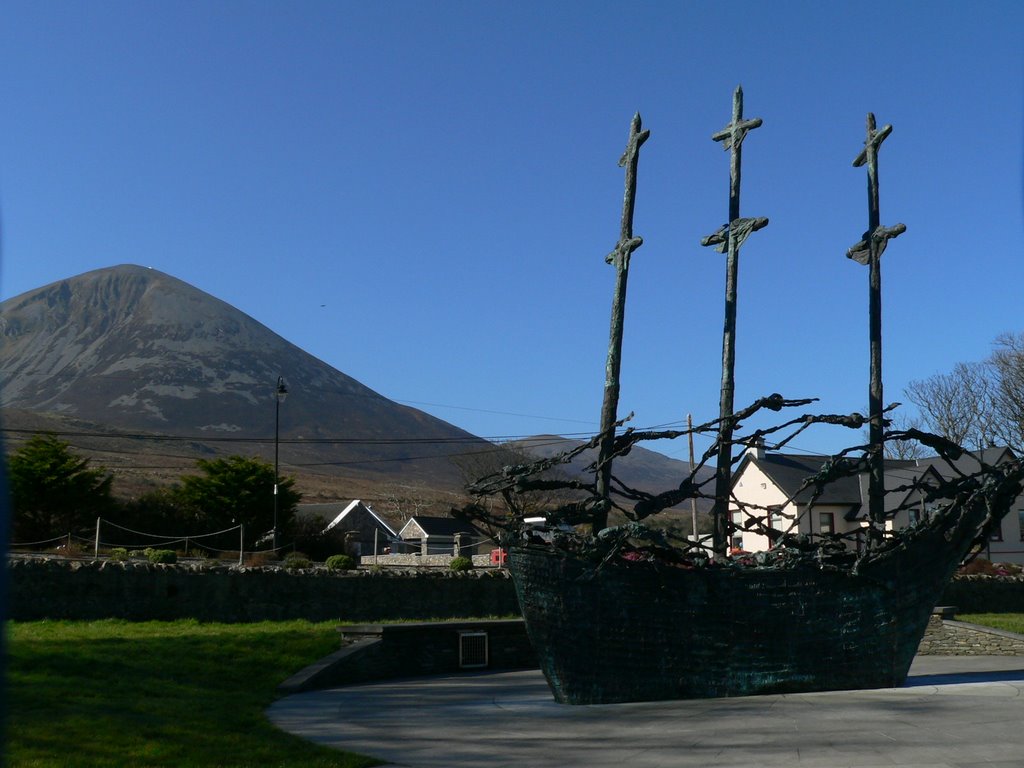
[
  {"x": 619, "y": 258},
  {"x": 729, "y": 239},
  {"x": 868, "y": 251}
]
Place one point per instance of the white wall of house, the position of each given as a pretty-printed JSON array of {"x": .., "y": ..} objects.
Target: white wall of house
[
  {"x": 1008, "y": 545},
  {"x": 914, "y": 510},
  {"x": 756, "y": 489},
  {"x": 758, "y": 492}
]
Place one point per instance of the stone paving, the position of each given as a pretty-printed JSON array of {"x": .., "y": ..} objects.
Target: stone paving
[{"x": 954, "y": 712}]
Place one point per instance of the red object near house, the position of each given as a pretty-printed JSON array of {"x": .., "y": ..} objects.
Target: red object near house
[{"x": 498, "y": 556}]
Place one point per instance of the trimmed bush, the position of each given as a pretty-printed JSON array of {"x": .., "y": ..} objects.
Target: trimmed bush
[
  {"x": 162, "y": 555},
  {"x": 340, "y": 563},
  {"x": 293, "y": 561},
  {"x": 461, "y": 564},
  {"x": 118, "y": 554}
]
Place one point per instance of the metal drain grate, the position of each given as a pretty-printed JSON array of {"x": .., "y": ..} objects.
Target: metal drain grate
[{"x": 472, "y": 650}]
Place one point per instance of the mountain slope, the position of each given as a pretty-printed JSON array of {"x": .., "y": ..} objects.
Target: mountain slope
[
  {"x": 134, "y": 349},
  {"x": 641, "y": 468}
]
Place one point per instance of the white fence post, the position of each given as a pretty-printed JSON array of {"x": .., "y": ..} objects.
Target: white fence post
[{"x": 96, "y": 549}]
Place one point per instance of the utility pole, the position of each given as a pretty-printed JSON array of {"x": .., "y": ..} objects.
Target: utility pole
[
  {"x": 280, "y": 393},
  {"x": 728, "y": 240},
  {"x": 693, "y": 499}
]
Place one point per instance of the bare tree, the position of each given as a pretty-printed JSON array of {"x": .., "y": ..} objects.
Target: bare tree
[
  {"x": 1006, "y": 366},
  {"x": 403, "y": 502},
  {"x": 899, "y": 448},
  {"x": 959, "y": 405},
  {"x": 474, "y": 466}
]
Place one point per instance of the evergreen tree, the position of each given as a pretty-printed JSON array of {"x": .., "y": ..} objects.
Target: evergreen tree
[
  {"x": 240, "y": 490},
  {"x": 54, "y": 491}
]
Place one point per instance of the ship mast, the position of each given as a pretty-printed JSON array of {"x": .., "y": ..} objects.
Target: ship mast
[
  {"x": 869, "y": 252},
  {"x": 619, "y": 258},
  {"x": 729, "y": 239}
]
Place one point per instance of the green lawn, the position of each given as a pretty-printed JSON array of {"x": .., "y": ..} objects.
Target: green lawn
[
  {"x": 181, "y": 693},
  {"x": 1008, "y": 622}
]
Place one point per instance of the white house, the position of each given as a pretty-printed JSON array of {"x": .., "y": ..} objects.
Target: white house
[
  {"x": 771, "y": 488},
  {"x": 361, "y": 530},
  {"x": 440, "y": 535}
]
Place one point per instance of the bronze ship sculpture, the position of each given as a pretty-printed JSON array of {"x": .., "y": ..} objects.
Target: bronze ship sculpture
[{"x": 625, "y": 613}]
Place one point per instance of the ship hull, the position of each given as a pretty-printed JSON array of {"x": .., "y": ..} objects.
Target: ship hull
[{"x": 640, "y": 631}]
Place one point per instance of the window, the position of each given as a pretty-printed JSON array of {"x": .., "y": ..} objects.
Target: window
[
  {"x": 771, "y": 520},
  {"x": 1020, "y": 522},
  {"x": 737, "y": 543},
  {"x": 826, "y": 523},
  {"x": 913, "y": 516},
  {"x": 997, "y": 534}
]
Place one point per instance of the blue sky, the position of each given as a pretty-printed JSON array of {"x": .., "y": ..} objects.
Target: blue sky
[{"x": 422, "y": 194}]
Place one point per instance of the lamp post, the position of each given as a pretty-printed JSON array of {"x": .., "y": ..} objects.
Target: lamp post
[{"x": 280, "y": 393}]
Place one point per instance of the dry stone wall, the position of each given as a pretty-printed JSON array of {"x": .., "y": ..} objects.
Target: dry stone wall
[
  {"x": 945, "y": 637},
  {"x": 416, "y": 560},
  {"x": 53, "y": 588},
  {"x": 56, "y": 588}
]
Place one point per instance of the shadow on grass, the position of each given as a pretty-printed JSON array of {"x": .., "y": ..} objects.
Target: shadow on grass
[{"x": 159, "y": 693}]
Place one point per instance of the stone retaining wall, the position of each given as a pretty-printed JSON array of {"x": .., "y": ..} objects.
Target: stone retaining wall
[
  {"x": 53, "y": 588},
  {"x": 56, "y": 588},
  {"x": 416, "y": 560},
  {"x": 945, "y": 637},
  {"x": 382, "y": 651}
]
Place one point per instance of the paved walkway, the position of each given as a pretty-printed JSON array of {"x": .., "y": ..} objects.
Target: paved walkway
[{"x": 954, "y": 712}]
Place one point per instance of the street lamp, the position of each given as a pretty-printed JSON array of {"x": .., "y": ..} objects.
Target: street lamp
[{"x": 280, "y": 393}]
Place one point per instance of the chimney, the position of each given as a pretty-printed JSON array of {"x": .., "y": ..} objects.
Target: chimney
[{"x": 757, "y": 447}]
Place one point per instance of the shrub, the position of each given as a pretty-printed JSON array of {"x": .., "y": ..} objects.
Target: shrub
[
  {"x": 295, "y": 560},
  {"x": 340, "y": 563},
  {"x": 162, "y": 555},
  {"x": 461, "y": 564},
  {"x": 118, "y": 554}
]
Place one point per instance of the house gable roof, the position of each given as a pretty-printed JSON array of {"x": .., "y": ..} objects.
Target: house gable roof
[
  {"x": 970, "y": 461},
  {"x": 436, "y": 526},
  {"x": 788, "y": 471},
  {"x": 932, "y": 471},
  {"x": 924, "y": 477},
  {"x": 336, "y": 512}
]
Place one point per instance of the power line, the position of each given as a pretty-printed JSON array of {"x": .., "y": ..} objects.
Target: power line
[
  {"x": 495, "y": 446},
  {"x": 156, "y": 437},
  {"x": 369, "y": 394}
]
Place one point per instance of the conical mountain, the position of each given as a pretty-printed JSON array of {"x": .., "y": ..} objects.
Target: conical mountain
[{"x": 136, "y": 350}]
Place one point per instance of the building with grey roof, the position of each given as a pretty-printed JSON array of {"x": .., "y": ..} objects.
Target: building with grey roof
[{"x": 780, "y": 493}]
